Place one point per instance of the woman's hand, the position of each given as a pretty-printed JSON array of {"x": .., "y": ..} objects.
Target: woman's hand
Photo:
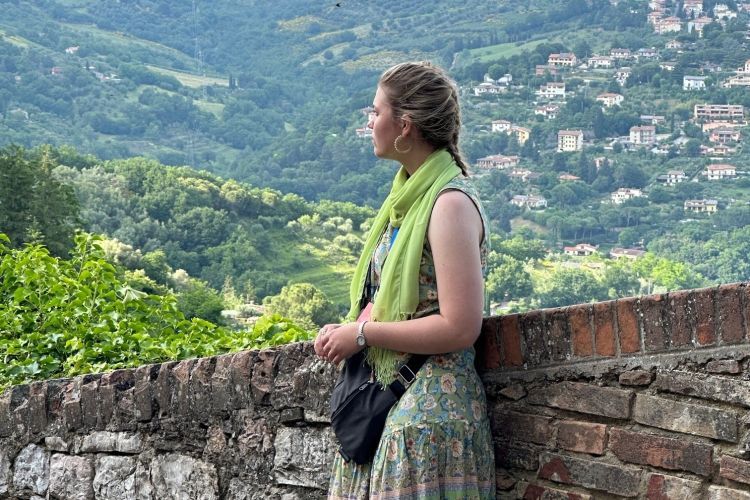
[{"x": 337, "y": 342}]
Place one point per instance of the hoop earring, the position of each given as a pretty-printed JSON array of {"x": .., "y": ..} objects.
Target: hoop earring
[{"x": 395, "y": 146}]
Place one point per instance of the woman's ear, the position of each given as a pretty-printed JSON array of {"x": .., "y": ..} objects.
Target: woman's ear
[{"x": 406, "y": 125}]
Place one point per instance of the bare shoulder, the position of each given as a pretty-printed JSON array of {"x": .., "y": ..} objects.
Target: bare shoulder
[{"x": 455, "y": 212}]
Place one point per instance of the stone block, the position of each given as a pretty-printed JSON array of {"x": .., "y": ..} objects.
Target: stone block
[
  {"x": 107, "y": 442},
  {"x": 533, "y": 335},
  {"x": 19, "y": 410},
  {"x": 489, "y": 356},
  {"x": 735, "y": 469},
  {"x": 729, "y": 313},
  {"x": 558, "y": 333},
  {"x": 180, "y": 476},
  {"x": 705, "y": 317},
  {"x": 510, "y": 340},
  {"x": 222, "y": 395},
  {"x": 37, "y": 407},
  {"x": 513, "y": 391},
  {"x": 515, "y": 455},
  {"x": 90, "y": 401},
  {"x": 71, "y": 406},
  {"x": 264, "y": 373},
  {"x": 686, "y": 418},
  {"x": 522, "y": 426},
  {"x": 627, "y": 325},
  {"x": 530, "y": 491},
  {"x": 722, "y": 493},
  {"x": 580, "y": 330},
  {"x": 659, "y": 451},
  {"x": 714, "y": 388},
  {"x": 5, "y": 475},
  {"x": 655, "y": 328},
  {"x": 290, "y": 416},
  {"x": 680, "y": 314},
  {"x": 6, "y": 424},
  {"x": 180, "y": 385},
  {"x": 503, "y": 480},
  {"x": 31, "y": 470},
  {"x": 302, "y": 456},
  {"x": 115, "y": 477},
  {"x": 614, "y": 479},
  {"x": 200, "y": 389},
  {"x": 242, "y": 373},
  {"x": 663, "y": 487},
  {"x": 604, "y": 329},
  {"x": 636, "y": 378},
  {"x": 56, "y": 443},
  {"x": 723, "y": 366},
  {"x": 583, "y": 437},
  {"x": 71, "y": 477},
  {"x": 142, "y": 392},
  {"x": 162, "y": 389},
  {"x": 584, "y": 398}
]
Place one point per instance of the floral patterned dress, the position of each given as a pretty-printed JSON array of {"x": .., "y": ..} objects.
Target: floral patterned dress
[{"x": 437, "y": 442}]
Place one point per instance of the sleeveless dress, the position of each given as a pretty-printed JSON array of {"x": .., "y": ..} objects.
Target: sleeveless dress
[{"x": 437, "y": 442}]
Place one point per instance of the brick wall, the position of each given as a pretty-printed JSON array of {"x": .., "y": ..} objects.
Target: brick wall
[{"x": 636, "y": 398}]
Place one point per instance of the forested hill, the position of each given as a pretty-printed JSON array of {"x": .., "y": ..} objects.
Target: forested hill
[{"x": 269, "y": 92}]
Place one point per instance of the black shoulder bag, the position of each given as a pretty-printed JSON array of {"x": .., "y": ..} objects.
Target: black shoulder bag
[{"x": 359, "y": 405}]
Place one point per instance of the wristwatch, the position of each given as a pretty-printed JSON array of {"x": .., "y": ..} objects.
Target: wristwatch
[{"x": 361, "y": 340}]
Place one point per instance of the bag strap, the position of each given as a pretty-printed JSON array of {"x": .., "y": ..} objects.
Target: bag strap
[{"x": 407, "y": 374}]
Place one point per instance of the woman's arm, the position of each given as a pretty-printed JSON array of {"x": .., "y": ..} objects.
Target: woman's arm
[{"x": 455, "y": 234}]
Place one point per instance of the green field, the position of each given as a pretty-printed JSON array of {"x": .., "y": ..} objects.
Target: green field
[{"x": 190, "y": 79}]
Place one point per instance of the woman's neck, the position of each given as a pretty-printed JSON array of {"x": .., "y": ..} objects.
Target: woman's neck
[{"x": 416, "y": 157}]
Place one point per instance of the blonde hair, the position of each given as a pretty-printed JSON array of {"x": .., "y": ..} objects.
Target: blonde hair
[{"x": 429, "y": 97}]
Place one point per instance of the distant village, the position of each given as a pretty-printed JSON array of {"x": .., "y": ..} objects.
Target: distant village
[{"x": 723, "y": 124}]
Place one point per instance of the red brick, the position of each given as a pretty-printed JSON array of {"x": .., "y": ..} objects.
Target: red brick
[
  {"x": 655, "y": 336},
  {"x": 539, "y": 492},
  {"x": 604, "y": 331},
  {"x": 705, "y": 322},
  {"x": 735, "y": 469},
  {"x": 729, "y": 311},
  {"x": 679, "y": 317},
  {"x": 556, "y": 325},
  {"x": 534, "y": 333},
  {"x": 522, "y": 426},
  {"x": 662, "y": 487},
  {"x": 667, "y": 453},
  {"x": 627, "y": 324},
  {"x": 488, "y": 347},
  {"x": 580, "y": 328},
  {"x": 615, "y": 479},
  {"x": 721, "y": 493},
  {"x": 724, "y": 366},
  {"x": 695, "y": 419},
  {"x": 585, "y": 437},
  {"x": 510, "y": 340},
  {"x": 584, "y": 398}
]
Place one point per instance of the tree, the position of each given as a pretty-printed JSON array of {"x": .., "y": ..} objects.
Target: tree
[
  {"x": 304, "y": 304},
  {"x": 571, "y": 286},
  {"x": 198, "y": 300},
  {"x": 508, "y": 280}
]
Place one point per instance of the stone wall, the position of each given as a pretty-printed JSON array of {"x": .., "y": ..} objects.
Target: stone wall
[{"x": 636, "y": 398}]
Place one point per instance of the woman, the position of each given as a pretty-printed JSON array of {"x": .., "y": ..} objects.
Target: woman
[{"x": 428, "y": 300}]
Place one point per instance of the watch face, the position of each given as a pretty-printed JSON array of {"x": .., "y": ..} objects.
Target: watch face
[{"x": 361, "y": 340}]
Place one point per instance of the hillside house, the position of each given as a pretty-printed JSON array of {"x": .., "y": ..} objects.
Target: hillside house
[
  {"x": 562, "y": 60},
  {"x": 667, "y": 65},
  {"x": 624, "y": 194},
  {"x": 668, "y": 25},
  {"x": 547, "y": 110},
  {"x": 622, "y": 74},
  {"x": 609, "y": 99},
  {"x": 653, "y": 119},
  {"x": 698, "y": 24},
  {"x": 718, "y": 150},
  {"x": 569, "y": 140},
  {"x": 672, "y": 177},
  {"x": 552, "y": 90},
  {"x": 722, "y": 11},
  {"x": 654, "y": 17},
  {"x": 529, "y": 201},
  {"x": 487, "y": 88},
  {"x": 366, "y": 131},
  {"x": 522, "y": 133},
  {"x": 497, "y": 162},
  {"x": 601, "y": 161},
  {"x": 566, "y": 177},
  {"x": 744, "y": 70},
  {"x": 643, "y": 135},
  {"x": 657, "y": 4},
  {"x": 523, "y": 174},
  {"x": 56, "y": 70},
  {"x": 626, "y": 253},
  {"x": 601, "y": 62},
  {"x": 580, "y": 250},
  {"x": 718, "y": 171},
  {"x": 719, "y": 112},
  {"x": 737, "y": 81},
  {"x": 701, "y": 206},
  {"x": 709, "y": 67},
  {"x": 725, "y": 135},
  {"x": 72, "y": 50},
  {"x": 673, "y": 45},
  {"x": 541, "y": 69},
  {"x": 647, "y": 53},
  {"x": 620, "y": 54},
  {"x": 501, "y": 126},
  {"x": 692, "y": 8},
  {"x": 693, "y": 82}
]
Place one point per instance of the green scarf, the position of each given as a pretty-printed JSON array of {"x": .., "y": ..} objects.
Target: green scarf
[{"x": 407, "y": 207}]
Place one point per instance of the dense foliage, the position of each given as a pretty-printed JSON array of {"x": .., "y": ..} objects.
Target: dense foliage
[{"x": 64, "y": 317}]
